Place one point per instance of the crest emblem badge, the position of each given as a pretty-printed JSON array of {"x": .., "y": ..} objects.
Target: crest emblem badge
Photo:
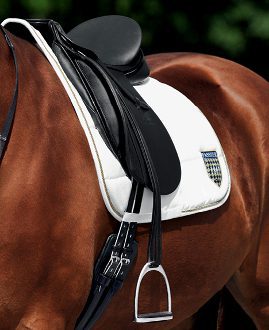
[{"x": 212, "y": 165}]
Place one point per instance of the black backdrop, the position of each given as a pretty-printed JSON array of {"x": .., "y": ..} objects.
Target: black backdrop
[{"x": 234, "y": 29}]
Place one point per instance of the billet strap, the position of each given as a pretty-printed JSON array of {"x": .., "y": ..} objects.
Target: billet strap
[
  {"x": 113, "y": 265},
  {"x": 5, "y": 131},
  {"x": 110, "y": 272}
]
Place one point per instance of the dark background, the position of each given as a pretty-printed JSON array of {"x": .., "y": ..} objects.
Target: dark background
[{"x": 234, "y": 29}]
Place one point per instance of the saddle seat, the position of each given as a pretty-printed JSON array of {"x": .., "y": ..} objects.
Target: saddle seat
[{"x": 116, "y": 40}]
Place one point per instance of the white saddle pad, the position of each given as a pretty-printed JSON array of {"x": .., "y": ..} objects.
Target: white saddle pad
[{"x": 205, "y": 181}]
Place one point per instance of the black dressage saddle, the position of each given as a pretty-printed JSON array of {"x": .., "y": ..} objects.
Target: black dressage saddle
[{"x": 128, "y": 125}]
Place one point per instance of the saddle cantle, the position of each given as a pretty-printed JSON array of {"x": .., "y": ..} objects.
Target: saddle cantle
[{"x": 116, "y": 40}]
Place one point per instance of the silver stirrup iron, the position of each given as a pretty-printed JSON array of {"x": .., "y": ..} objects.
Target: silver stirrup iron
[{"x": 157, "y": 316}]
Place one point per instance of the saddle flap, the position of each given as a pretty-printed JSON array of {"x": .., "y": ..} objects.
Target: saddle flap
[
  {"x": 156, "y": 139},
  {"x": 124, "y": 119}
]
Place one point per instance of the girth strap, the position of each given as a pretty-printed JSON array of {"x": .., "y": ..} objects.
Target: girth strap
[
  {"x": 112, "y": 267},
  {"x": 108, "y": 278},
  {"x": 5, "y": 131}
]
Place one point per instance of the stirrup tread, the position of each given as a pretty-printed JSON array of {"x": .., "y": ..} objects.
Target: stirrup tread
[{"x": 154, "y": 317}]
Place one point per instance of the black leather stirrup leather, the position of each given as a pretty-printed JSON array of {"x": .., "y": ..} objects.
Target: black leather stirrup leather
[
  {"x": 138, "y": 139},
  {"x": 5, "y": 131}
]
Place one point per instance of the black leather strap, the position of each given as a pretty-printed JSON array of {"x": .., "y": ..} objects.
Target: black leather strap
[
  {"x": 110, "y": 280},
  {"x": 5, "y": 131},
  {"x": 112, "y": 267}
]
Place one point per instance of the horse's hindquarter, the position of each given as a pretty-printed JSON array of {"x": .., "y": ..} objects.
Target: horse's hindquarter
[{"x": 236, "y": 102}]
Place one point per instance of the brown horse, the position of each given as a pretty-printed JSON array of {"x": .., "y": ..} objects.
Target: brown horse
[{"x": 53, "y": 221}]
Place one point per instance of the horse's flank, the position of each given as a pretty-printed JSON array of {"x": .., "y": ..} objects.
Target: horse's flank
[{"x": 53, "y": 221}]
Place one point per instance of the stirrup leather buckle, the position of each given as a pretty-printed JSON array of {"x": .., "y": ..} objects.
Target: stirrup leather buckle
[{"x": 156, "y": 316}]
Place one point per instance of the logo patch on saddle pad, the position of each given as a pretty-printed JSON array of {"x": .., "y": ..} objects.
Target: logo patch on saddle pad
[{"x": 212, "y": 166}]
